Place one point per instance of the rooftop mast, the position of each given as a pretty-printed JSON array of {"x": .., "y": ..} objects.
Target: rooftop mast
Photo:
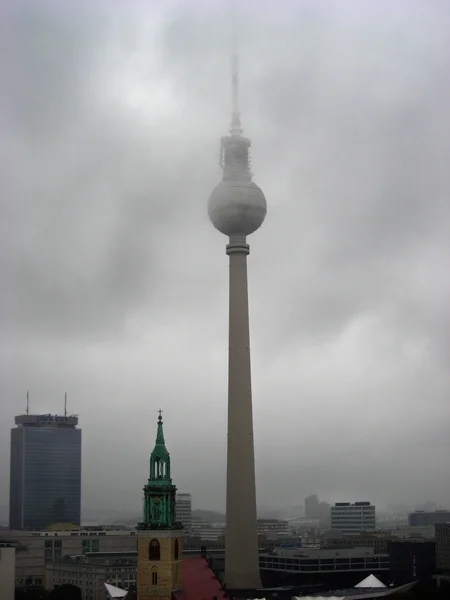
[{"x": 236, "y": 127}]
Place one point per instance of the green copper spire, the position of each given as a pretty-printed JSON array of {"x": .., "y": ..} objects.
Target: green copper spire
[
  {"x": 159, "y": 493},
  {"x": 160, "y": 459}
]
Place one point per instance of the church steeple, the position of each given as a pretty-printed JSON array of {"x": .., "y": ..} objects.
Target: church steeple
[
  {"x": 160, "y": 459},
  {"x": 159, "y": 535},
  {"x": 159, "y": 493}
]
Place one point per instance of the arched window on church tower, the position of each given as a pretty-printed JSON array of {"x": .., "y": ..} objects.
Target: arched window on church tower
[
  {"x": 176, "y": 549},
  {"x": 154, "y": 576},
  {"x": 154, "y": 550}
]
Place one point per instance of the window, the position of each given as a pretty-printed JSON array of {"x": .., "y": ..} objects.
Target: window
[
  {"x": 176, "y": 550},
  {"x": 154, "y": 576},
  {"x": 154, "y": 551}
]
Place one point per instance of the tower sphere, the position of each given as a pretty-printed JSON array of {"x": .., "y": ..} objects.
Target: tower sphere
[{"x": 237, "y": 207}]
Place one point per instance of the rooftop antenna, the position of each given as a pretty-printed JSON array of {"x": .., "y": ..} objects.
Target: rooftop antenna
[
  {"x": 65, "y": 404},
  {"x": 28, "y": 403}
]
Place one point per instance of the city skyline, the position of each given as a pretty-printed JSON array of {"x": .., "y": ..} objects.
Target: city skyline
[{"x": 113, "y": 298}]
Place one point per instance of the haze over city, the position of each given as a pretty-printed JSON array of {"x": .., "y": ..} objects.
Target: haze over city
[{"x": 116, "y": 283}]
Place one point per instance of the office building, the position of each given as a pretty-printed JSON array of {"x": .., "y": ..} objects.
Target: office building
[
  {"x": 45, "y": 478},
  {"x": 237, "y": 208},
  {"x": 184, "y": 512},
  {"x": 352, "y": 519},
  {"x": 423, "y": 518}
]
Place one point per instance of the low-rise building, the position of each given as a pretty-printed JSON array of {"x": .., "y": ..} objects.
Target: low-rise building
[
  {"x": 36, "y": 548},
  {"x": 91, "y": 571}
]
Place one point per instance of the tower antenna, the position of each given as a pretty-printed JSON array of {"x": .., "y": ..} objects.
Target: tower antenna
[
  {"x": 236, "y": 127},
  {"x": 28, "y": 403},
  {"x": 65, "y": 404}
]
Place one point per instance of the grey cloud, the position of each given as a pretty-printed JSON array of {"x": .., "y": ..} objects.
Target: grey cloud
[{"x": 116, "y": 284}]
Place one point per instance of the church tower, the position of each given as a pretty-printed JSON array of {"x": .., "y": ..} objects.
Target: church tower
[{"x": 159, "y": 535}]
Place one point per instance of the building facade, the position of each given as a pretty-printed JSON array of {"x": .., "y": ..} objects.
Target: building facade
[
  {"x": 352, "y": 519},
  {"x": 160, "y": 536},
  {"x": 184, "y": 512},
  {"x": 443, "y": 548},
  {"x": 277, "y": 527},
  {"x": 411, "y": 559},
  {"x": 91, "y": 571},
  {"x": 422, "y": 518},
  {"x": 45, "y": 477},
  {"x": 7, "y": 572}
]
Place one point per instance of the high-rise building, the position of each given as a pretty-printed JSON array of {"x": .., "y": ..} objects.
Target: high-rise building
[
  {"x": 184, "y": 512},
  {"x": 352, "y": 519},
  {"x": 237, "y": 207},
  {"x": 159, "y": 534},
  {"x": 45, "y": 478}
]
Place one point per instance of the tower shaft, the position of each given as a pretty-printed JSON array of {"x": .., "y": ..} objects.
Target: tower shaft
[{"x": 241, "y": 538}]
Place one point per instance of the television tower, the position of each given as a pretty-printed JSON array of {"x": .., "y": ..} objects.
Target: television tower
[{"x": 237, "y": 207}]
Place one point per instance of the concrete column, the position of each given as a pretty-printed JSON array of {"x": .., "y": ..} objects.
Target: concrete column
[{"x": 241, "y": 542}]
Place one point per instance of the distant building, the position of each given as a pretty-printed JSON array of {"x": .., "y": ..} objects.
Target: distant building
[
  {"x": 443, "y": 548},
  {"x": 317, "y": 510},
  {"x": 312, "y": 507},
  {"x": 184, "y": 512},
  {"x": 423, "y": 518},
  {"x": 352, "y": 519},
  {"x": 277, "y": 527},
  {"x": 7, "y": 572},
  {"x": 206, "y": 530},
  {"x": 45, "y": 479}
]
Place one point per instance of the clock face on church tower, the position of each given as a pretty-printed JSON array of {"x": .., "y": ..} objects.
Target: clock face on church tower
[{"x": 156, "y": 500}]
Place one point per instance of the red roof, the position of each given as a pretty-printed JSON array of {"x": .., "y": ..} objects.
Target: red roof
[{"x": 199, "y": 582}]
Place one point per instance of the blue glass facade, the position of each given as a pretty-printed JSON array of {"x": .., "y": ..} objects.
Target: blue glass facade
[{"x": 45, "y": 476}]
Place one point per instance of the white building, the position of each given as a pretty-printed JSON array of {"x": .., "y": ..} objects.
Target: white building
[
  {"x": 183, "y": 509},
  {"x": 7, "y": 572},
  {"x": 352, "y": 519},
  {"x": 278, "y": 527}
]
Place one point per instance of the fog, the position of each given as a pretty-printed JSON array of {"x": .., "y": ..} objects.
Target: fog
[{"x": 114, "y": 282}]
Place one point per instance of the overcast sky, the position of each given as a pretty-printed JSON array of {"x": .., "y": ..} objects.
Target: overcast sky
[{"x": 114, "y": 283}]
